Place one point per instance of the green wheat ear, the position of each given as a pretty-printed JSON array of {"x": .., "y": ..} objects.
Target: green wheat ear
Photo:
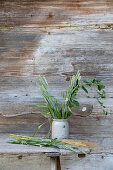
[{"x": 37, "y": 141}]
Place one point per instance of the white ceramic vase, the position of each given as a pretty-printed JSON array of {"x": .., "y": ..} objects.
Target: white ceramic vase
[{"x": 60, "y": 129}]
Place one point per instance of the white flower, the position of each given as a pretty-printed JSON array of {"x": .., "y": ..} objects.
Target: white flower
[
  {"x": 66, "y": 99},
  {"x": 84, "y": 109}
]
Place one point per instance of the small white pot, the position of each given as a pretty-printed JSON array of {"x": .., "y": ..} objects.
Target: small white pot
[{"x": 60, "y": 129}]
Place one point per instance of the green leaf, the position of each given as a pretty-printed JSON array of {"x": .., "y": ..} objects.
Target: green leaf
[
  {"x": 63, "y": 94},
  {"x": 100, "y": 102},
  {"x": 103, "y": 95},
  {"x": 76, "y": 103},
  {"x": 84, "y": 89},
  {"x": 99, "y": 88},
  {"x": 77, "y": 82},
  {"x": 39, "y": 127},
  {"x": 34, "y": 105},
  {"x": 69, "y": 113},
  {"x": 105, "y": 112},
  {"x": 100, "y": 85},
  {"x": 89, "y": 81},
  {"x": 93, "y": 81},
  {"x": 71, "y": 105},
  {"x": 43, "y": 82}
]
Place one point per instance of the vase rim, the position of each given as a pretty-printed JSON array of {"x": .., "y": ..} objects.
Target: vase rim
[{"x": 60, "y": 119}]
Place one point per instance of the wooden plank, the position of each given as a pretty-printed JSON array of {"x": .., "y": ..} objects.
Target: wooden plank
[
  {"x": 55, "y": 160},
  {"x": 55, "y": 163},
  {"x": 55, "y": 39},
  {"x": 73, "y": 162}
]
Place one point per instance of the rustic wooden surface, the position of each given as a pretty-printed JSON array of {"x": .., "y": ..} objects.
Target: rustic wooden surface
[
  {"x": 7, "y": 148},
  {"x": 40, "y": 161},
  {"x": 56, "y": 38}
]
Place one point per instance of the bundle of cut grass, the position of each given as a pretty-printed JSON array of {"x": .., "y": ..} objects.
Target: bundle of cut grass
[
  {"x": 79, "y": 143},
  {"x": 38, "y": 141}
]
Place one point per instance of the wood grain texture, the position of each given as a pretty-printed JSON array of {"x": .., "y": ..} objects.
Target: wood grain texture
[
  {"x": 71, "y": 162},
  {"x": 56, "y": 38}
]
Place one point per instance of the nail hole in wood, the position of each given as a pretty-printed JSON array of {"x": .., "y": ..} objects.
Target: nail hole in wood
[
  {"x": 67, "y": 78},
  {"x": 102, "y": 157},
  {"x": 20, "y": 157},
  {"x": 81, "y": 155}
]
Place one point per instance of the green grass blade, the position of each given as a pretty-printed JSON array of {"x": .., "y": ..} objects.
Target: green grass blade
[
  {"x": 84, "y": 89},
  {"x": 35, "y": 105},
  {"x": 39, "y": 128}
]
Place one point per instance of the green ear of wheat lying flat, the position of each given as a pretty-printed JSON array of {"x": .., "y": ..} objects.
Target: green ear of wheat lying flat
[
  {"x": 36, "y": 141},
  {"x": 57, "y": 109}
]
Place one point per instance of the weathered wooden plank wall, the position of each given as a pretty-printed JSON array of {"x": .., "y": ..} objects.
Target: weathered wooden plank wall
[{"x": 56, "y": 38}]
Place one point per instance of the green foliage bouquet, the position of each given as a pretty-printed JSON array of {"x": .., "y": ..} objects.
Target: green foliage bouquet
[{"x": 57, "y": 109}]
